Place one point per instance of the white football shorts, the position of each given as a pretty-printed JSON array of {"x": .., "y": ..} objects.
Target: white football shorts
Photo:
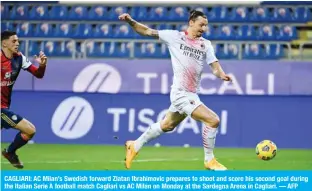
[{"x": 184, "y": 102}]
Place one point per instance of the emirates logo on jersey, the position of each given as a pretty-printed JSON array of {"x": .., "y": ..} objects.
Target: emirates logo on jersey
[{"x": 192, "y": 52}]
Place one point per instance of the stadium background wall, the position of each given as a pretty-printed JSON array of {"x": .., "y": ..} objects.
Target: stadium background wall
[{"x": 80, "y": 112}]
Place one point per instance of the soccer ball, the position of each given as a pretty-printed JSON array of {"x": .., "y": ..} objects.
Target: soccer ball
[{"x": 266, "y": 150}]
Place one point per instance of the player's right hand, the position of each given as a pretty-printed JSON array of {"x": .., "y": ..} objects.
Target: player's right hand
[
  {"x": 42, "y": 58},
  {"x": 125, "y": 17}
]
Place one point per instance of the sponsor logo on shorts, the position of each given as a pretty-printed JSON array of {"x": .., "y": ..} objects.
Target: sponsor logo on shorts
[
  {"x": 192, "y": 102},
  {"x": 14, "y": 117}
]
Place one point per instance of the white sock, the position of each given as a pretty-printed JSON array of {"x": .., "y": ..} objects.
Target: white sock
[
  {"x": 209, "y": 139},
  {"x": 151, "y": 133}
]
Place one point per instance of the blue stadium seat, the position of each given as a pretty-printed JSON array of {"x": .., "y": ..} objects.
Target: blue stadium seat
[
  {"x": 164, "y": 51},
  {"x": 58, "y": 48},
  {"x": 288, "y": 33},
  {"x": 165, "y": 26},
  {"x": 34, "y": 48},
  {"x": 122, "y": 50},
  {"x": 302, "y": 14},
  {"x": 226, "y": 51},
  {"x": 260, "y": 14},
  {"x": 78, "y": 13},
  {"x": 112, "y": 50},
  {"x": 151, "y": 50},
  {"x": 202, "y": 9},
  {"x": 103, "y": 31},
  {"x": 123, "y": 31},
  {"x": 82, "y": 31},
  {"x": 64, "y": 48},
  {"x": 44, "y": 30},
  {"x": 231, "y": 51},
  {"x": 178, "y": 14},
  {"x": 22, "y": 46},
  {"x": 213, "y": 32},
  {"x": 59, "y": 13},
  {"x": 267, "y": 32},
  {"x": 273, "y": 51},
  {"x": 282, "y": 15},
  {"x": 115, "y": 12},
  {"x": 96, "y": 49},
  {"x": 133, "y": 11},
  {"x": 158, "y": 14},
  {"x": 49, "y": 48},
  {"x": 4, "y": 12},
  {"x": 210, "y": 33},
  {"x": 247, "y": 32},
  {"x": 252, "y": 51},
  {"x": 182, "y": 27},
  {"x": 98, "y": 13},
  {"x": 63, "y": 30},
  {"x": 107, "y": 49},
  {"x": 240, "y": 14},
  {"x": 19, "y": 12},
  {"x": 141, "y": 13},
  {"x": 226, "y": 32},
  {"x": 218, "y": 14},
  {"x": 7, "y": 26},
  {"x": 115, "y": 49},
  {"x": 39, "y": 13},
  {"x": 218, "y": 50},
  {"x": 25, "y": 30}
]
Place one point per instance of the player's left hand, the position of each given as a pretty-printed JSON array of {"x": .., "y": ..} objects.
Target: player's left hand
[
  {"x": 226, "y": 78},
  {"x": 42, "y": 58}
]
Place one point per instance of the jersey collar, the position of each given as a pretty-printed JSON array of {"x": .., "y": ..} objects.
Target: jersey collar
[{"x": 196, "y": 39}]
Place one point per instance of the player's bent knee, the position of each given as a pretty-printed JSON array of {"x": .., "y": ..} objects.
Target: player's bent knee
[
  {"x": 32, "y": 131},
  {"x": 215, "y": 122},
  {"x": 27, "y": 128},
  {"x": 167, "y": 126}
]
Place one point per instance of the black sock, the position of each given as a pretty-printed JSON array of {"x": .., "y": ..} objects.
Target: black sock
[{"x": 17, "y": 143}]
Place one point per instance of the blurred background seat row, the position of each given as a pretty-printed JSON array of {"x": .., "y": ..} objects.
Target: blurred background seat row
[
  {"x": 215, "y": 32},
  {"x": 157, "y": 13},
  {"x": 93, "y": 30},
  {"x": 145, "y": 50}
]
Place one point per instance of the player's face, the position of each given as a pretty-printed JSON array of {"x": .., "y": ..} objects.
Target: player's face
[
  {"x": 199, "y": 26},
  {"x": 12, "y": 43}
]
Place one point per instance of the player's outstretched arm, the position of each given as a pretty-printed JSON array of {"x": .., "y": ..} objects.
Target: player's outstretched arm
[
  {"x": 138, "y": 27},
  {"x": 218, "y": 71},
  {"x": 38, "y": 72}
]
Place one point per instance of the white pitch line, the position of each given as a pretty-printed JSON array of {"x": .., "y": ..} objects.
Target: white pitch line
[
  {"x": 159, "y": 160},
  {"x": 47, "y": 162},
  {"x": 112, "y": 161}
]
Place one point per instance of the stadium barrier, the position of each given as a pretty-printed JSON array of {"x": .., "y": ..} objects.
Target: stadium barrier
[
  {"x": 155, "y": 76},
  {"x": 92, "y": 118}
]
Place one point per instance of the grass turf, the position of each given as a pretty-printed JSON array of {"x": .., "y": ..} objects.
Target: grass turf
[{"x": 106, "y": 157}]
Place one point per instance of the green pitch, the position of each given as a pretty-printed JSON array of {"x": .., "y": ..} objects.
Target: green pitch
[{"x": 100, "y": 157}]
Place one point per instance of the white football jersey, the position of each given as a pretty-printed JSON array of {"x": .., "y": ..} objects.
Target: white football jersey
[{"x": 188, "y": 58}]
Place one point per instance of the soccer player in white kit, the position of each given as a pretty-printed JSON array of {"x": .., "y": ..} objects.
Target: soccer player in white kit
[{"x": 190, "y": 52}]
